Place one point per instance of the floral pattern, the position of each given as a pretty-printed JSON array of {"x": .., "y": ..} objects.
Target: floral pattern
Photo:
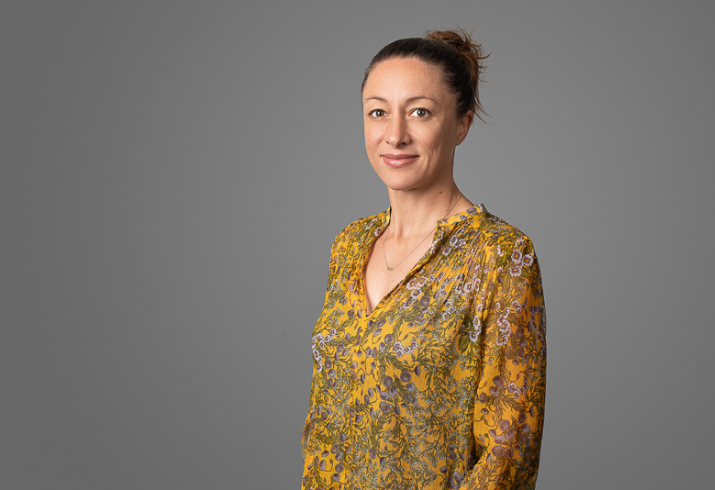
[{"x": 442, "y": 386}]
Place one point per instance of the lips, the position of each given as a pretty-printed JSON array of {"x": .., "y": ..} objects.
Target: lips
[{"x": 398, "y": 160}]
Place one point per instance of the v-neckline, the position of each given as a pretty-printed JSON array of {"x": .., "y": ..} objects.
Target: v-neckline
[
  {"x": 368, "y": 255},
  {"x": 371, "y": 248}
]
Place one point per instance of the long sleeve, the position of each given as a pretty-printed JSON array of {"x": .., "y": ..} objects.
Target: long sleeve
[{"x": 509, "y": 402}]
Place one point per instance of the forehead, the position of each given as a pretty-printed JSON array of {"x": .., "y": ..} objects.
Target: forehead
[{"x": 400, "y": 78}]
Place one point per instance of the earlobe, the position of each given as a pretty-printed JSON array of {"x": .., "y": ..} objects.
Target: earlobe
[{"x": 465, "y": 122}]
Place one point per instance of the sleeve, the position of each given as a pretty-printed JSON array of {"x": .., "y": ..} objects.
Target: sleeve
[
  {"x": 511, "y": 387},
  {"x": 333, "y": 269}
]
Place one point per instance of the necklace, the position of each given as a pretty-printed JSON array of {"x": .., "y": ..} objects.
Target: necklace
[{"x": 384, "y": 255}]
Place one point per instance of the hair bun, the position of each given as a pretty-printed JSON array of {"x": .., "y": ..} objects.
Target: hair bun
[{"x": 470, "y": 51}]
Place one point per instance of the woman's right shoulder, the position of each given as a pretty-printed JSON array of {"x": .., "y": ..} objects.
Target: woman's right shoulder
[
  {"x": 361, "y": 229},
  {"x": 354, "y": 239}
]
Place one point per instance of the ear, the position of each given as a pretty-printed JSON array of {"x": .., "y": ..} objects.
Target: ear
[{"x": 464, "y": 123}]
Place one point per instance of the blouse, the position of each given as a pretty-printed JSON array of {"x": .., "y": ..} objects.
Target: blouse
[{"x": 443, "y": 384}]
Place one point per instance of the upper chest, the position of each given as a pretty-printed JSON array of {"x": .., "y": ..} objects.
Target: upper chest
[
  {"x": 388, "y": 265},
  {"x": 442, "y": 271}
]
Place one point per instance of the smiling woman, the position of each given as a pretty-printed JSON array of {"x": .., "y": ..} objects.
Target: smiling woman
[
  {"x": 411, "y": 126},
  {"x": 429, "y": 355}
]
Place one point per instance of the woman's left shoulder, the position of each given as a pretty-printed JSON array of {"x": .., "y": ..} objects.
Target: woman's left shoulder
[{"x": 500, "y": 233}]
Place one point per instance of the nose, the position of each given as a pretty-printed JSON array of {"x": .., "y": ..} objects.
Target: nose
[{"x": 397, "y": 132}]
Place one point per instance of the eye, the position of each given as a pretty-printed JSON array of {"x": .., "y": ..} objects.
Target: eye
[
  {"x": 376, "y": 113},
  {"x": 421, "y": 112}
]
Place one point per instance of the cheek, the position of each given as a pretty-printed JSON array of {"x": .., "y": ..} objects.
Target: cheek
[
  {"x": 445, "y": 138},
  {"x": 372, "y": 137},
  {"x": 432, "y": 141},
  {"x": 371, "y": 147}
]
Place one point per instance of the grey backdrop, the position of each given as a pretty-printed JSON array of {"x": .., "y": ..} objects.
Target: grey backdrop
[{"x": 173, "y": 174}]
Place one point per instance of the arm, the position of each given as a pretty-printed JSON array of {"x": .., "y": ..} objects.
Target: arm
[{"x": 509, "y": 403}]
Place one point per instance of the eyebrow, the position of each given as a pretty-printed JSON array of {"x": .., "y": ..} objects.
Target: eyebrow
[{"x": 411, "y": 99}]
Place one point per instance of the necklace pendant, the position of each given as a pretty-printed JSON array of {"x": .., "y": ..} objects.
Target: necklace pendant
[{"x": 391, "y": 268}]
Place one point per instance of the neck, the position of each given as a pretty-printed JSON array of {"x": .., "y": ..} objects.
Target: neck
[{"x": 413, "y": 212}]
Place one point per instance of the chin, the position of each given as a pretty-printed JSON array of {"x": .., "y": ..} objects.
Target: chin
[{"x": 402, "y": 184}]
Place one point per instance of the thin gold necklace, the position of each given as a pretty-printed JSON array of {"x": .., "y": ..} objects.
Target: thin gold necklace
[{"x": 384, "y": 255}]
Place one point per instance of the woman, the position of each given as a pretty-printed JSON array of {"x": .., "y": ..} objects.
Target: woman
[{"x": 429, "y": 355}]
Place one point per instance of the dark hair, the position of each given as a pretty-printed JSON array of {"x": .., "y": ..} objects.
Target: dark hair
[{"x": 461, "y": 61}]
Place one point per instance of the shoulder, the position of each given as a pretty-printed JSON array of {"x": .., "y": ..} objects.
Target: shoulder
[
  {"x": 361, "y": 230},
  {"x": 496, "y": 232},
  {"x": 497, "y": 242},
  {"x": 354, "y": 240},
  {"x": 511, "y": 250}
]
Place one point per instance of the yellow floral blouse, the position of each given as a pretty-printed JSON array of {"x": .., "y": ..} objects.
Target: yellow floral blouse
[{"x": 443, "y": 384}]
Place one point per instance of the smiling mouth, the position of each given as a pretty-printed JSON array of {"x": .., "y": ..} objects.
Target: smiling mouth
[{"x": 398, "y": 161}]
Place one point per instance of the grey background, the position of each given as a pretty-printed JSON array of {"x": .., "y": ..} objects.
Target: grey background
[{"x": 173, "y": 174}]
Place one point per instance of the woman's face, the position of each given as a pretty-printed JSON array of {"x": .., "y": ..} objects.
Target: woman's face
[{"x": 411, "y": 124}]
